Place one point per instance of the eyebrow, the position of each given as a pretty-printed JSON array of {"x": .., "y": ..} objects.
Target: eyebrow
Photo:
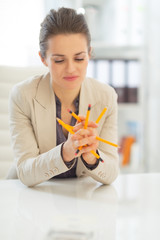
[
  {"x": 61, "y": 55},
  {"x": 80, "y": 53}
]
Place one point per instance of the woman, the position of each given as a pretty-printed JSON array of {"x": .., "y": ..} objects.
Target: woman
[{"x": 42, "y": 148}]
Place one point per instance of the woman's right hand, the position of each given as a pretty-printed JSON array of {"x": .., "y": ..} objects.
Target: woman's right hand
[{"x": 81, "y": 137}]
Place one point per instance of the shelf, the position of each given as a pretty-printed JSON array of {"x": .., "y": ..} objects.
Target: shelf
[{"x": 102, "y": 50}]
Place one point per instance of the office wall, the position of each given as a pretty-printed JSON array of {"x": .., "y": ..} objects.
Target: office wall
[
  {"x": 120, "y": 32},
  {"x": 152, "y": 84}
]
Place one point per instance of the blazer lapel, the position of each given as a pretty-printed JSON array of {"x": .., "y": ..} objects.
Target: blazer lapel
[{"x": 45, "y": 114}]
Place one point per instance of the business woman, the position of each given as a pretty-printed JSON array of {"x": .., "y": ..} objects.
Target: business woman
[{"x": 43, "y": 149}]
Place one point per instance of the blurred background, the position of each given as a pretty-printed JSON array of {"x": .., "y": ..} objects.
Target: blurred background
[{"x": 126, "y": 49}]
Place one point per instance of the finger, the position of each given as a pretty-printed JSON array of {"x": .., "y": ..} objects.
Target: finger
[
  {"x": 75, "y": 144},
  {"x": 76, "y": 137},
  {"x": 82, "y": 133},
  {"x": 78, "y": 126},
  {"x": 85, "y": 141},
  {"x": 87, "y": 132},
  {"x": 90, "y": 124},
  {"x": 81, "y": 125},
  {"x": 82, "y": 117},
  {"x": 88, "y": 148}
]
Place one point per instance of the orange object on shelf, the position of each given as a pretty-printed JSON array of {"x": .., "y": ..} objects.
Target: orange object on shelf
[{"x": 126, "y": 151}]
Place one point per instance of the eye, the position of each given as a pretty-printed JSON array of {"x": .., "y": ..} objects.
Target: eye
[
  {"x": 58, "y": 61},
  {"x": 79, "y": 59}
]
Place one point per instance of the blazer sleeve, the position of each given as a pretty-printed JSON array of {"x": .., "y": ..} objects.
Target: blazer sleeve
[
  {"x": 32, "y": 167},
  {"x": 107, "y": 171}
]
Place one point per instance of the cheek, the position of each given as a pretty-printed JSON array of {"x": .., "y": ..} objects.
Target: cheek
[
  {"x": 55, "y": 70},
  {"x": 84, "y": 67}
]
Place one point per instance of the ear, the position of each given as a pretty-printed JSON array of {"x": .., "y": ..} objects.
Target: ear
[
  {"x": 43, "y": 60},
  {"x": 90, "y": 52}
]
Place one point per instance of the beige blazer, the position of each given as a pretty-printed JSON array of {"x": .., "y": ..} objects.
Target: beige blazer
[{"x": 32, "y": 111}]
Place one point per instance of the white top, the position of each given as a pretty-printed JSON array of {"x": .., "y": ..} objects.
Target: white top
[{"x": 81, "y": 209}]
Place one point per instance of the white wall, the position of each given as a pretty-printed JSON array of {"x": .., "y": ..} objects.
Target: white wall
[{"x": 152, "y": 150}]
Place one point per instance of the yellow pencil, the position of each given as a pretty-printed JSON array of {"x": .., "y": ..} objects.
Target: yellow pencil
[
  {"x": 71, "y": 127},
  {"x": 66, "y": 126},
  {"x": 93, "y": 152},
  {"x": 85, "y": 126},
  {"x": 74, "y": 115},
  {"x": 105, "y": 141},
  {"x": 78, "y": 150},
  {"x": 87, "y": 116},
  {"x": 96, "y": 155},
  {"x": 100, "y": 116}
]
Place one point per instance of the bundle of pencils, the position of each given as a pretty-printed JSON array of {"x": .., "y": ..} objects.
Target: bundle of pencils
[{"x": 70, "y": 129}]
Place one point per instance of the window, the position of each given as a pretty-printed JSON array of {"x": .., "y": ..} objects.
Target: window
[{"x": 20, "y": 24}]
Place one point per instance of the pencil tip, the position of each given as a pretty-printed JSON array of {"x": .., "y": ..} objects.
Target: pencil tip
[{"x": 58, "y": 120}]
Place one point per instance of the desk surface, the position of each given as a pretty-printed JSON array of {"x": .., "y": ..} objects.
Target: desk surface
[{"x": 80, "y": 209}]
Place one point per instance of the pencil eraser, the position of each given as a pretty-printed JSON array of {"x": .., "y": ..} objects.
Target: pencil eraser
[
  {"x": 101, "y": 159},
  {"x": 77, "y": 152},
  {"x": 89, "y": 107},
  {"x": 69, "y": 110}
]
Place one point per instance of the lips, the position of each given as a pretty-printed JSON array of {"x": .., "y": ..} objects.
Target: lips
[{"x": 70, "y": 78}]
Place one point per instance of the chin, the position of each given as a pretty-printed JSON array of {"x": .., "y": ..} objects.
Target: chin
[{"x": 72, "y": 85}]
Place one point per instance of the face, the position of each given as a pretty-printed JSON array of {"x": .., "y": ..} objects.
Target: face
[{"x": 67, "y": 59}]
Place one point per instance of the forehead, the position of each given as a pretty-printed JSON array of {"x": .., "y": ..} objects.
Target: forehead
[{"x": 67, "y": 44}]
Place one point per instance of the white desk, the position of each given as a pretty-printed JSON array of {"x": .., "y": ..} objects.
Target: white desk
[{"x": 128, "y": 209}]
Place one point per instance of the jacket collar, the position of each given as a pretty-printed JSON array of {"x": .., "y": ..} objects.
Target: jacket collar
[
  {"x": 45, "y": 114},
  {"x": 45, "y": 95}
]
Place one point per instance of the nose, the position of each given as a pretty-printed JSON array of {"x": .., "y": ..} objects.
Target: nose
[{"x": 70, "y": 66}]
